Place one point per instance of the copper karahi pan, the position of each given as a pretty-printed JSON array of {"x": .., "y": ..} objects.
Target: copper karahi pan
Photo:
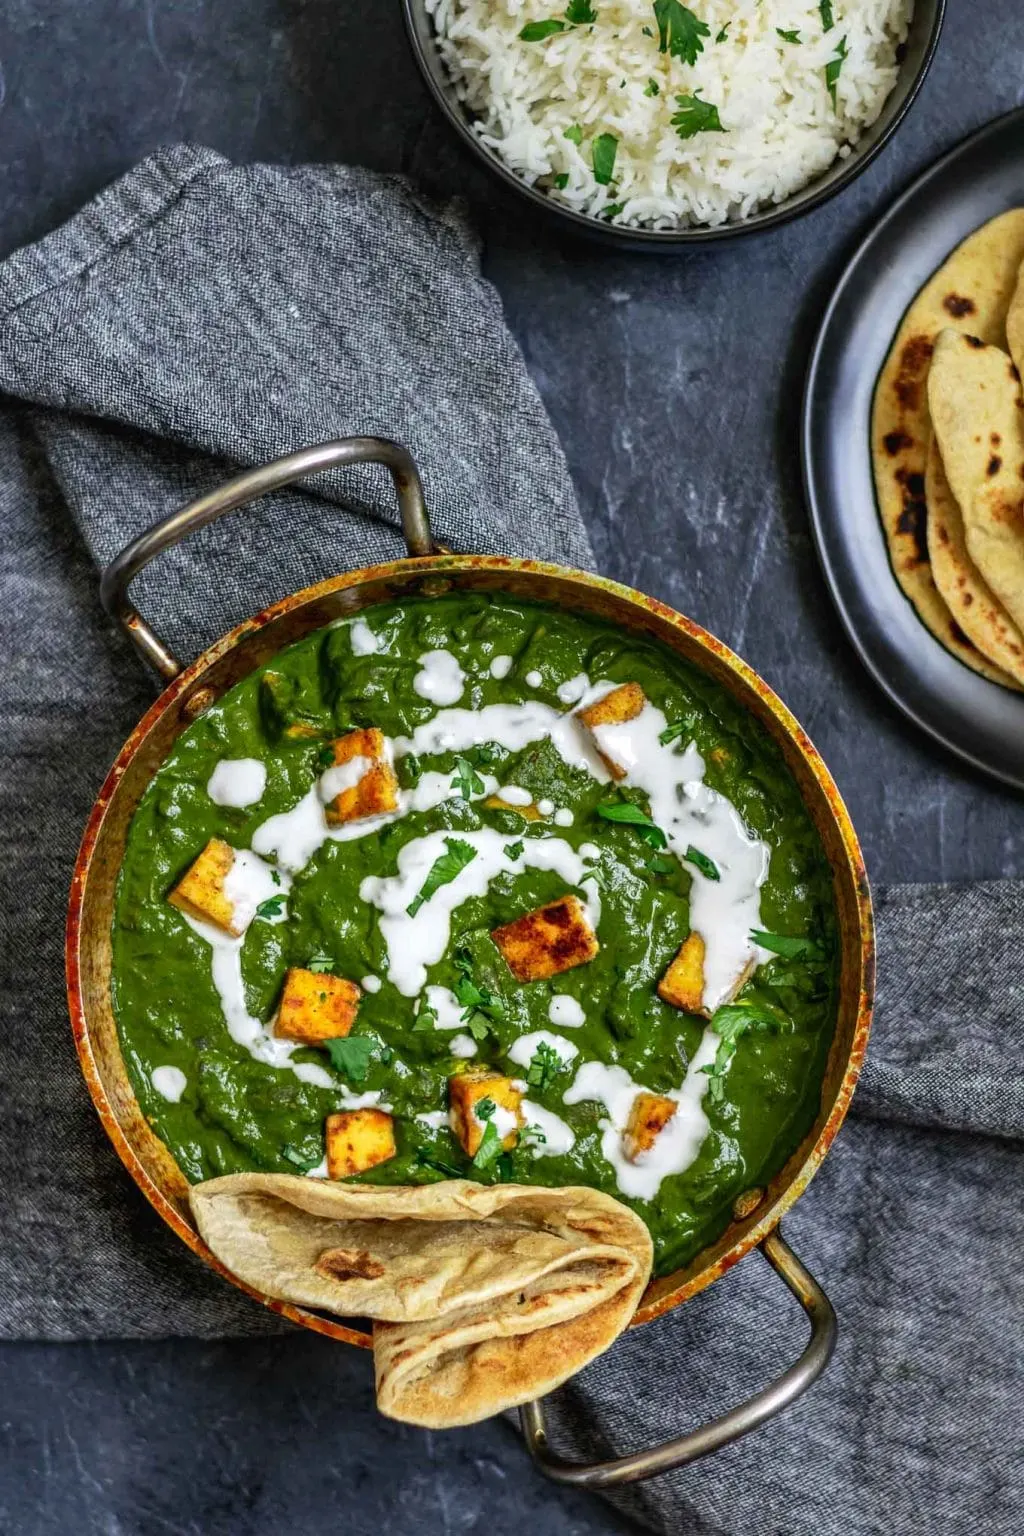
[{"x": 429, "y": 572}]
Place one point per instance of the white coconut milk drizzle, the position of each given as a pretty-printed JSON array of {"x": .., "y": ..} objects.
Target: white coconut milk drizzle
[
  {"x": 523, "y": 1050},
  {"x": 364, "y": 641},
  {"x": 675, "y": 1147},
  {"x": 169, "y": 1082},
  {"x": 440, "y": 678},
  {"x": 566, "y": 1011},
  {"x": 722, "y": 911},
  {"x": 415, "y": 942},
  {"x": 237, "y": 782},
  {"x": 559, "y": 1138}
]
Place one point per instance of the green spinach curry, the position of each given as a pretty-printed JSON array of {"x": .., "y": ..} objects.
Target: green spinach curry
[{"x": 476, "y": 888}]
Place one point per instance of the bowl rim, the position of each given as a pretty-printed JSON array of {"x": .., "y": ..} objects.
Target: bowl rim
[
  {"x": 801, "y": 202},
  {"x": 806, "y": 1159}
]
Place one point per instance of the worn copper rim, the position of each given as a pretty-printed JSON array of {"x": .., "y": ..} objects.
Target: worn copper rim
[{"x": 429, "y": 576}]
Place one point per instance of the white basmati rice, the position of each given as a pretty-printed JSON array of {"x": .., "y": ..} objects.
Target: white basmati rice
[{"x": 781, "y": 129}]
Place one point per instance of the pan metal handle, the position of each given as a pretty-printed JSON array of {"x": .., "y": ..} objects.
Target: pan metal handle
[
  {"x": 738, "y": 1421},
  {"x": 124, "y": 567}
]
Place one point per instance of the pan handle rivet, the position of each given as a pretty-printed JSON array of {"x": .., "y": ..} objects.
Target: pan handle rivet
[{"x": 197, "y": 702}]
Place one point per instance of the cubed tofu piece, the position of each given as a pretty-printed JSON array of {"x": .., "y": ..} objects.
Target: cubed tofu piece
[
  {"x": 358, "y": 1139},
  {"x": 683, "y": 983},
  {"x": 315, "y": 1007},
  {"x": 376, "y": 791},
  {"x": 527, "y": 812},
  {"x": 648, "y": 1117},
  {"x": 465, "y": 1092},
  {"x": 200, "y": 891},
  {"x": 616, "y": 708},
  {"x": 544, "y": 943}
]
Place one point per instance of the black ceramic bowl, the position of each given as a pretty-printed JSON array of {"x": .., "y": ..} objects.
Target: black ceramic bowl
[{"x": 917, "y": 56}]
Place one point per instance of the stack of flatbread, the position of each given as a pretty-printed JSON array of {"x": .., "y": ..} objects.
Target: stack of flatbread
[
  {"x": 948, "y": 451},
  {"x": 483, "y": 1297}
]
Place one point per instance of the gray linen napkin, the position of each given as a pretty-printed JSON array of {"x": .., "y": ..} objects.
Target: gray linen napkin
[{"x": 199, "y": 316}]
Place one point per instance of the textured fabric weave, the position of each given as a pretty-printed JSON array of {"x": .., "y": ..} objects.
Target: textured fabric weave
[{"x": 199, "y": 317}]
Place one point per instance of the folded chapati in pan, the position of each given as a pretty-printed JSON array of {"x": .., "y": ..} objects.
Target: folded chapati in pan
[{"x": 482, "y": 1297}]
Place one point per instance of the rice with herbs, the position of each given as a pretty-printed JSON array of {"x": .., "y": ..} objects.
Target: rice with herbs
[{"x": 653, "y": 113}]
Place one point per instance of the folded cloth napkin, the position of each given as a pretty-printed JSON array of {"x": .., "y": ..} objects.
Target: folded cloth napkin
[{"x": 197, "y": 317}]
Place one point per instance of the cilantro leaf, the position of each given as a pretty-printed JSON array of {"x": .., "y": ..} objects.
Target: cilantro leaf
[
  {"x": 580, "y": 13},
  {"x": 537, "y": 31},
  {"x": 293, "y": 1155},
  {"x": 827, "y": 19},
  {"x": 662, "y": 864},
  {"x": 673, "y": 732},
  {"x": 483, "y": 754},
  {"x": 351, "y": 1055},
  {"x": 427, "y": 1159},
  {"x": 467, "y": 781},
  {"x": 425, "y": 1019},
  {"x": 695, "y": 116},
  {"x": 612, "y": 211},
  {"x": 708, "y": 867},
  {"x": 833, "y": 70},
  {"x": 789, "y": 946},
  {"x": 443, "y": 871},
  {"x": 603, "y": 152},
  {"x": 272, "y": 907},
  {"x": 574, "y": 134},
  {"x": 788, "y": 37},
  {"x": 320, "y": 962},
  {"x": 325, "y": 755},
  {"x": 562, "y": 180},
  {"x": 485, "y": 1109},
  {"x": 545, "y": 1065},
  {"x": 633, "y": 816},
  {"x": 514, "y": 850},
  {"x": 680, "y": 32},
  {"x": 723, "y": 35},
  {"x": 489, "y": 1149},
  {"x": 652, "y": 88},
  {"x": 729, "y": 1023}
]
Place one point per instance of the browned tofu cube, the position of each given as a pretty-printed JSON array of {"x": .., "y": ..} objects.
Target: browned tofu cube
[
  {"x": 315, "y": 1007},
  {"x": 527, "y": 812},
  {"x": 683, "y": 983},
  {"x": 467, "y": 1090},
  {"x": 544, "y": 943},
  {"x": 358, "y": 1139},
  {"x": 648, "y": 1117},
  {"x": 377, "y": 790},
  {"x": 200, "y": 891},
  {"x": 622, "y": 704}
]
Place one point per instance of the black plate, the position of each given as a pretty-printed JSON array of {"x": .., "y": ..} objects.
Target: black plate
[
  {"x": 918, "y": 52},
  {"x": 982, "y": 177}
]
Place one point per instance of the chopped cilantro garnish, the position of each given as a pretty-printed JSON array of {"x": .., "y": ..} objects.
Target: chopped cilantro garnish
[
  {"x": 275, "y": 877},
  {"x": 652, "y": 88},
  {"x": 646, "y": 31},
  {"x": 680, "y": 32},
  {"x": 562, "y": 180},
  {"x": 723, "y": 35},
  {"x": 427, "y": 1160},
  {"x": 272, "y": 907},
  {"x": 545, "y": 1065},
  {"x": 827, "y": 19},
  {"x": 574, "y": 134},
  {"x": 580, "y": 13},
  {"x": 789, "y": 946},
  {"x": 325, "y": 755},
  {"x": 788, "y": 37},
  {"x": 319, "y": 962},
  {"x": 603, "y": 152},
  {"x": 537, "y": 31},
  {"x": 612, "y": 211},
  {"x": 707, "y": 867},
  {"x": 484, "y": 1109},
  {"x": 633, "y": 816},
  {"x": 467, "y": 781},
  {"x": 293, "y": 1155},
  {"x": 479, "y": 1004},
  {"x": 833, "y": 70},
  {"x": 695, "y": 116},
  {"x": 729, "y": 1023},
  {"x": 351, "y": 1055},
  {"x": 662, "y": 864},
  {"x": 514, "y": 850},
  {"x": 443, "y": 871},
  {"x": 673, "y": 732},
  {"x": 425, "y": 1019},
  {"x": 489, "y": 1149}
]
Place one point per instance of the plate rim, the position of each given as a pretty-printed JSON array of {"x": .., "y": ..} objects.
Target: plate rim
[{"x": 815, "y": 499}]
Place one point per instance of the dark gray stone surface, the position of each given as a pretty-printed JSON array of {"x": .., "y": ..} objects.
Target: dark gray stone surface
[{"x": 674, "y": 383}]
